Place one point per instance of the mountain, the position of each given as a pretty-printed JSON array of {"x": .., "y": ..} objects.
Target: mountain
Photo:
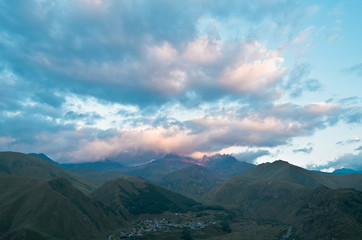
[
  {"x": 156, "y": 169},
  {"x": 344, "y": 171},
  {"x": 330, "y": 214},
  {"x": 95, "y": 177},
  {"x": 192, "y": 181},
  {"x": 33, "y": 209},
  {"x": 296, "y": 197},
  {"x": 136, "y": 197},
  {"x": 225, "y": 166},
  {"x": 104, "y": 166},
  {"x": 222, "y": 166},
  {"x": 283, "y": 171},
  {"x": 20, "y": 164},
  {"x": 266, "y": 199},
  {"x": 42, "y": 156}
]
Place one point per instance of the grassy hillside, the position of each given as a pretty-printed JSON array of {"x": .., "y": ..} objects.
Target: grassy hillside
[
  {"x": 330, "y": 214},
  {"x": 20, "y": 164},
  {"x": 267, "y": 199},
  {"x": 193, "y": 181},
  {"x": 311, "y": 212},
  {"x": 32, "y": 209}
]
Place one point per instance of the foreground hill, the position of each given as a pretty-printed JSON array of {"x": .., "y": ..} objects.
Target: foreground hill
[
  {"x": 130, "y": 198},
  {"x": 297, "y": 197},
  {"x": 32, "y": 209},
  {"x": 330, "y": 214},
  {"x": 19, "y": 164},
  {"x": 193, "y": 181}
]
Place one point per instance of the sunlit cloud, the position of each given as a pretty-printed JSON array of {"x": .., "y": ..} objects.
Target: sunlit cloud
[{"x": 87, "y": 80}]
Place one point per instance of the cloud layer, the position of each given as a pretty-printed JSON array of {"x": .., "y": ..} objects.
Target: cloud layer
[{"x": 87, "y": 80}]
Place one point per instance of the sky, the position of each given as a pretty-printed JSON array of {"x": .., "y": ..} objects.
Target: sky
[{"x": 88, "y": 80}]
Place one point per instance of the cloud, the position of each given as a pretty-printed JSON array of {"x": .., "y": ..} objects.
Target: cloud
[
  {"x": 256, "y": 71},
  {"x": 207, "y": 134},
  {"x": 99, "y": 48},
  {"x": 91, "y": 79},
  {"x": 355, "y": 69},
  {"x": 203, "y": 50},
  {"x": 359, "y": 148},
  {"x": 303, "y": 150},
  {"x": 299, "y": 81},
  {"x": 349, "y": 160},
  {"x": 304, "y": 35},
  {"x": 349, "y": 141},
  {"x": 251, "y": 156}
]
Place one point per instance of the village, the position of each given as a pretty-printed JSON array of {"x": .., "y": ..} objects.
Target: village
[{"x": 154, "y": 225}]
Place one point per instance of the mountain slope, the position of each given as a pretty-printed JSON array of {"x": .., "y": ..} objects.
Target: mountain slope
[
  {"x": 268, "y": 199},
  {"x": 99, "y": 165},
  {"x": 297, "y": 197},
  {"x": 281, "y": 170},
  {"x": 319, "y": 213},
  {"x": 51, "y": 210},
  {"x": 225, "y": 166},
  {"x": 191, "y": 181},
  {"x": 20, "y": 164},
  {"x": 330, "y": 214},
  {"x": 42, "y": 156},
  {"x": 140, "y": 197}
]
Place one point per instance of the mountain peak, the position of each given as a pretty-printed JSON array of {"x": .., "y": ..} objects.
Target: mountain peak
[{"x": 174, "y": 157}]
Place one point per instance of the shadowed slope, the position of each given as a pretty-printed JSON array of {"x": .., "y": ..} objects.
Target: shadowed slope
[
  {"x": 20, "y": 164},
  {"x": 51, "y": 210},
  {"x": 140, "y": 197}
]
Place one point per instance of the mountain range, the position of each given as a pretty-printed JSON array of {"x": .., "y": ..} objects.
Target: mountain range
[{"x": 42, "y": 199}]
